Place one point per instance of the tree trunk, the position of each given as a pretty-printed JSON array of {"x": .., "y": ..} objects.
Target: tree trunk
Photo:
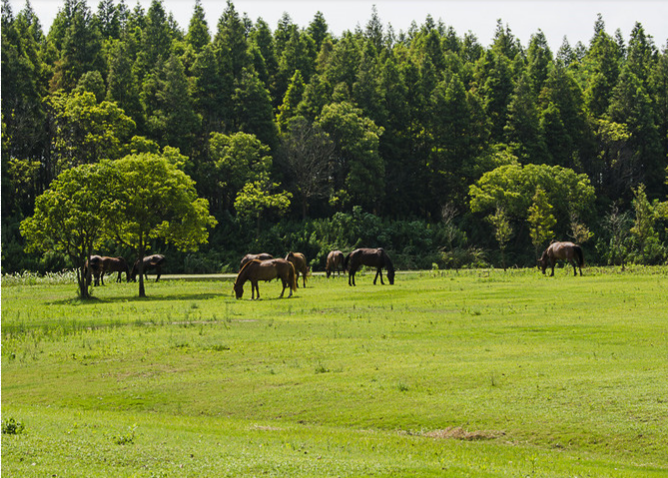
[{"x": 82, "y": 279}]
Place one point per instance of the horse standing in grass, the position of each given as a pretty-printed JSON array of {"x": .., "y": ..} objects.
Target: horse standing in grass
[
  {"x": 250, "y": 257},
  {"x": 155, "y": 261},
  {"x": 115, "y": 264},
  {"x": 335, "y": 261},
  {"x": 299, "y": 262},
  {"x": 256, "y": 270},
  {"x": 567, "y": 251},
  {"x": 93, "y": 269},
  {"x": 377, "y": 258}
]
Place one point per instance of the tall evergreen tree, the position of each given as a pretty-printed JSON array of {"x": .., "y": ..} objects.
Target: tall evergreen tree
[
  {"x": 81, "y": 49},
  {"x": 290, "y": 102},
  {"x": 601, "y": 65},
  {"x": 253, "y": 112},
  {"x": 522, "y": 131},
  {"x": 318, "y": 30},
  {"x": 630, "y": 104},
  {"x": 198, "y": 35}
]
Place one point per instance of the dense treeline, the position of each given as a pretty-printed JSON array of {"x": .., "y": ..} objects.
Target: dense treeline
[{"x": 440, "y": 149}]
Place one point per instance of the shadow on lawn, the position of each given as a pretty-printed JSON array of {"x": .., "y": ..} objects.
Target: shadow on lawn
[{"x": 136, "y": 298}]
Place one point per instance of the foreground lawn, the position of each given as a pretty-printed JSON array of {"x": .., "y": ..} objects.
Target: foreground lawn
[{"x": 477, "y": 373}]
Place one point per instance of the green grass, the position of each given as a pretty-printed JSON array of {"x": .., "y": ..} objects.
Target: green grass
[{"x": 477, "y": 373}]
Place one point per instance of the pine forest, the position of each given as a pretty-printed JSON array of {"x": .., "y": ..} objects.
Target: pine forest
[{"x": 446, "y": 152}]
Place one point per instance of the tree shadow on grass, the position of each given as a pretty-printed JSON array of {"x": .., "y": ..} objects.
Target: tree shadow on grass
[{"x": 135, "y": 298}]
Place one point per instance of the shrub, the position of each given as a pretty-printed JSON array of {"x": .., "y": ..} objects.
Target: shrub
[{"x": 12, "y": 427}]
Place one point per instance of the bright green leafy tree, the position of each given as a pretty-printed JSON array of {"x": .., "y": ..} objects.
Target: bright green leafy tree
[
  {"x": 541, "y": 220},
  {"x": 153, "y": 199},
  {"x": 69, "y": 216}
]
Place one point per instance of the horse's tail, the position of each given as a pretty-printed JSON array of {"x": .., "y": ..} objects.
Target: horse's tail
[
  {"x": 346, "y": 261},
  {"x": 578, "y": 252},
  {"x": 292, "y": 277}
]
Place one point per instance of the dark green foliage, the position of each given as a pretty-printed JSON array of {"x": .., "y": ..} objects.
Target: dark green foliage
[{"x": 415, "y": 119}]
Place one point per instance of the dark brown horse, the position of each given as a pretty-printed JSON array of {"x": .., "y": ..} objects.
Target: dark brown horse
[
  {"x": 377, "y": 258},
  {"x": 251, "y": 257},
  {"x": 566, "y": 251},
  {"x": 93, "y": 270},
  {"x": 256, "y": 270},
  {"x": 335, "y": 261},
  {"x": 115, "y": 264},
  {"x": 155, "y": 261},
  {"x": 298, "y": 260}
]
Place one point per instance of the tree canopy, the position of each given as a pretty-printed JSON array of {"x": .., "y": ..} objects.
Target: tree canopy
[{"x": 408, "y": 124}]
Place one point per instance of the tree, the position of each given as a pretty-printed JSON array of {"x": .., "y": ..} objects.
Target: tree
[
  {"x": 631, "y": 105},
  {"x": 306, "y": 153},
  {"x": 522, "y": 130},
  {"x": 293, "y": 97},
  {"x": 154, "y": 199},
  {"x": 69, "y": 216},
  {"x": 513, "y": 186},
  {"x": 172, "y": 119},
  {"x": 503, "y": 231},
  {"x": 541, "y": 221},
  {"x": 198, "y": 30},
  {"x": 239, "y": 158},
  {"x": 648, "y": 249},
  {"x": 86, "y": 131},
  {"x": 252, "y": 108},
  {"x": 359, "y": 169},
  {"x": 81, "y": 49},
  {"x": 256, "y": 197}
]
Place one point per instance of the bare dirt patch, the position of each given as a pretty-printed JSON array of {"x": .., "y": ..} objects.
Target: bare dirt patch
[{"x": 458, "y": 433}]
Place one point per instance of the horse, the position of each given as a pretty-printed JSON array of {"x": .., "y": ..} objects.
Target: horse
[
  {"x": 377, "y": 258},
  {"x": 115, "y": 264},
  {"x": 567, "y": 251},
  {"x": 335, "y": 261},
  {"x": 257, "y": 270},
  {"x": 93, "y": 268},
  {"x": 260, "y": 257},
  {"x": 150, "y": 262},
  {"x": 299, "y": 262}
]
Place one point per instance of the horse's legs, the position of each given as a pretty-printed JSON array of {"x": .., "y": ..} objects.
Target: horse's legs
[
  {"x": 158, "y": 270},
  {"x": 378, "y": 273}
]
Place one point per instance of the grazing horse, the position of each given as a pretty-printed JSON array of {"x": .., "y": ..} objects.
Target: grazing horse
[
  {"x": 250, "y": 257},
  {"x": 115, "y": 264},
  {"x": 567, "y": 251},
  {"x": 299, "y": 262},
  {"x": 150, "y": 262},
  {"x": 335, "y": 261},
  {"x": 257, "y": 270},
  {"x": 377, "y": 258},
  {"x": 93, "y": 268}
]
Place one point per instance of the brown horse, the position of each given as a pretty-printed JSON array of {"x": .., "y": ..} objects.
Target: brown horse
[
  {"x": 335, "y": 261},
  {"x": 377, "y": 258},
  {"x": 566, "y": 251},
  {"x": 256, "y": 270},
  {"x": 154, "y": 261},
  {"x": 115, "y": 264},
  {"x": 299, "y": 262},
  {"x": 93, "y": 270},
  {"x": 250, "y": 257}
]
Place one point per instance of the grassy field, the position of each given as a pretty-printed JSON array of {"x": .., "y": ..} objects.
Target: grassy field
[{"x": 469, "y": 374}]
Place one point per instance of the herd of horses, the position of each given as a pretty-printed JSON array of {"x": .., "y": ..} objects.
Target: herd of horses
[
  {"x": 97, "y": 266},
  {"x": 264, "y": 267}
]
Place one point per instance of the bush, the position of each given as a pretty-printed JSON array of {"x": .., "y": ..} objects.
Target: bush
[{"x": 12, "y": 427}]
